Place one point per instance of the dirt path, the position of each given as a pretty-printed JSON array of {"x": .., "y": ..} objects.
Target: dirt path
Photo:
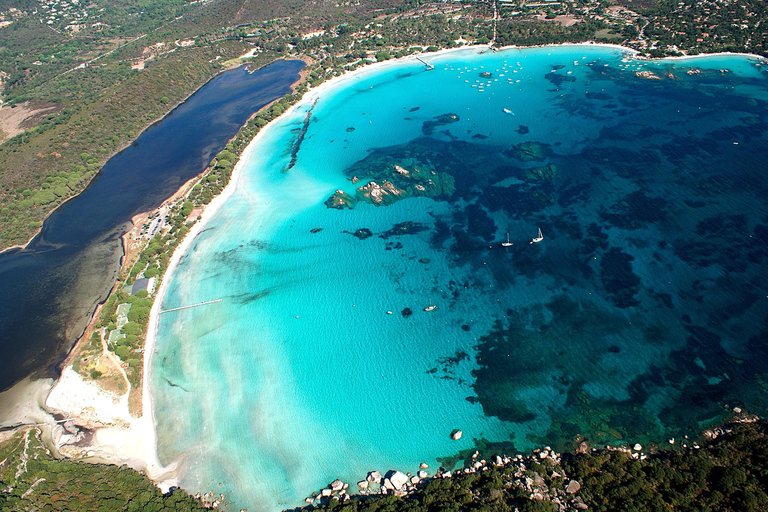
[{"x": 112, "y": 358}]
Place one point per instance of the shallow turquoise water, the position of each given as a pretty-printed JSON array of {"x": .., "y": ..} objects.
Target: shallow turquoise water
[{"x": 643, "y": 311}]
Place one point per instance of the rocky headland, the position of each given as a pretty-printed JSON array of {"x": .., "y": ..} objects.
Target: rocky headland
[{"x": 721, "y": 471}]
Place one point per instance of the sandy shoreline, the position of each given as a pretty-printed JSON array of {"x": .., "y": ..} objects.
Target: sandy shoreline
[{"x": 134, "y": 440}]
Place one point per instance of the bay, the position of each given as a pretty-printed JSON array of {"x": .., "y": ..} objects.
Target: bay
[{"x": 640, "y": 317}]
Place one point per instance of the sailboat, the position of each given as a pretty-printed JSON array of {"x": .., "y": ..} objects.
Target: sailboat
[
  {"x": 507, "y": 111},
  {"x": 431, "y": 306},
  {"x": 507, "y": 243},
  {"x": 538, "y": 238}
]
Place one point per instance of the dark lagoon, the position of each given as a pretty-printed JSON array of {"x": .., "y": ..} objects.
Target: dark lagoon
[{"x": 51, "y": 288}]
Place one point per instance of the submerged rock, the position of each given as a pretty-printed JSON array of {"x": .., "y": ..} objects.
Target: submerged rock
[
  {"x": 406, "y": 312},
  {"x": 428, "y": 127},
  {"x": 361, "y": 233},
  {"x": 527, "y": 151},
  {"x": 403, "y": 228},
  {"x": 544, "y": 174}
]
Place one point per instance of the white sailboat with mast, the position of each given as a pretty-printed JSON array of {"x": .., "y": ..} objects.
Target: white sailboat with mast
[
  {"x": 538, "y": 238},
  {"x": 507, "y": 243}
]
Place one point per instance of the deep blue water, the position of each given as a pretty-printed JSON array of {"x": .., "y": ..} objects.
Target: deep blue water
[
  {"x": 50, "y": 288},
  {"x": 640, "y": 316}
]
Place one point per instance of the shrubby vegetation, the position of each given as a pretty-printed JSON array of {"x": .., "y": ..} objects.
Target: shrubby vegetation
[
  {"x": 31, "y": 479},
  {"x": 729, "y": 473}
]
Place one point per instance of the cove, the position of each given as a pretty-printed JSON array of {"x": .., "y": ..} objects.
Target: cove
[
  {"x": 639, "y": 317},
  {"x": 51, "y": 287}
]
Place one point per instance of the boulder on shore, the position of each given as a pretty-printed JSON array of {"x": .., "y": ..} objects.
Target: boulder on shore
[
  {"x": 374, "y": 476},
  {"x": 397, "y": 479}
]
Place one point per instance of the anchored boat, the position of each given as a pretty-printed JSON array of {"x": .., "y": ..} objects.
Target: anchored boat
[{"x": 538, "y": 238}]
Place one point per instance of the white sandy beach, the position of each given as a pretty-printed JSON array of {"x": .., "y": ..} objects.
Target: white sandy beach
[{"x": 119, "y": 438}]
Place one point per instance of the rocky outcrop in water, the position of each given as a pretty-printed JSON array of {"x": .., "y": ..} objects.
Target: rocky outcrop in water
[
  {"x": 340, "y": 200},
  {"x": 392, "y": 183}
]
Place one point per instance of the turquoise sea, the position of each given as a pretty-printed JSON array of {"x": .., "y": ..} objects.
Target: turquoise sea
[{"x": 642, "y": 315}]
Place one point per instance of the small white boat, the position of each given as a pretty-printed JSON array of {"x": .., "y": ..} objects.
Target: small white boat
[
  {"x": 507, "y": 111},
  {"x": 431, "y": 307},
  {"x": 538, "y": 238},
  {"x": 507, "y": 243}
]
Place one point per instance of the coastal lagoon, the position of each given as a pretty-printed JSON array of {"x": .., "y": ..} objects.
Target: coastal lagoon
[
  {"x": 640, "y": 316},
  {"x": 52, "y": 286}
]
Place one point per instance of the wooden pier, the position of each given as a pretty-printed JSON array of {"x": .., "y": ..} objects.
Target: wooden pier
[
  {"x": 190, "y": 306},
  {"x": 429, "y": 66}
]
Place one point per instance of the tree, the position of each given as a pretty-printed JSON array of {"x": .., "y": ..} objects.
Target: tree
[
  {"x": 131, "y": 328},
  {"x": 122, "y": 352}
]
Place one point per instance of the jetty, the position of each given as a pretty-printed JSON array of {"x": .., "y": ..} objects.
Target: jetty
[
  {"x": 190, "y": 306},
  {"x": 429, "y": 66}
]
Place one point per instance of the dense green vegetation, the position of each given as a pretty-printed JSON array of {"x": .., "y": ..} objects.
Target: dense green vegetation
[
  {"x": 728, "y": 473},
  {"x": 706, "y": 26},
  {"x": 32, "y": 479}
]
